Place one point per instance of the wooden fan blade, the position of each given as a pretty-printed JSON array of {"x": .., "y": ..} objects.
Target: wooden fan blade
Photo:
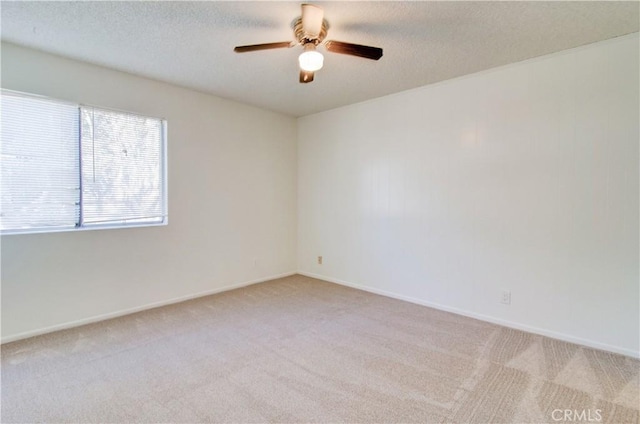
[
  {"x": 266, "y": 46},
  {"x": 306, "y": 76},
  {"x": 312, "y": 20},
  {"x": 359, "y": 50}
]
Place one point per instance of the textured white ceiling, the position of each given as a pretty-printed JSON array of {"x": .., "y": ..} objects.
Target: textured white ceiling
[{"x": 191, "y": 43}]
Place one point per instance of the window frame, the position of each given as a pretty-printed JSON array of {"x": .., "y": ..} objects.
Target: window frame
[{"x": 164, "y": 186}]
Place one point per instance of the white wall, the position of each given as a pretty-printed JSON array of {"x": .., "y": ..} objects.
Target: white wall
[
  {"x": 523, "y": 178},
  {"x": 232, "y": 200}
]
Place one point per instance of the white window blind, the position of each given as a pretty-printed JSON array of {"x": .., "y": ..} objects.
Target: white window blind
[
  {"x": 121, "y": 168},
  {"x": 40, "y": 164},
  {"x": 66, "y": 166}
]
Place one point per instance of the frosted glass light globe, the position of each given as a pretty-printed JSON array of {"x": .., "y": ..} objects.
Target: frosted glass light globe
[{"x": 310, "y": 60}]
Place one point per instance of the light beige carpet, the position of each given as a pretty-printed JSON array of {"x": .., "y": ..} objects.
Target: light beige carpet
[{"x": 302, "y": 350}]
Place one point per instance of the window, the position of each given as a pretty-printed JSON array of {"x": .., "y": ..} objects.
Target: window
[{"x": 67, "y": 166}]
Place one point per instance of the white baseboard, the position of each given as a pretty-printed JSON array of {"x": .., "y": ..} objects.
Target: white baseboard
[
  {"x": 110, "y": 315},
  {"x": 487, "y": 318},
  {"x": 481, "y": 317}
]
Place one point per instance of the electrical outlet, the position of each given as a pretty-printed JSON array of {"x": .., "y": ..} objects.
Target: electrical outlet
[
  {"x": 506, "y": 298},
  {"x": 319, "y": 260}
]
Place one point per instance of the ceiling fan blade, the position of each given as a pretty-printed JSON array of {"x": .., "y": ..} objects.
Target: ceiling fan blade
[
  {"x": 306, "y": 76},
  {"x": 312, "y": 20},
  {"x": 359, "y": 50},
  {"x": 266, "y": 46}
]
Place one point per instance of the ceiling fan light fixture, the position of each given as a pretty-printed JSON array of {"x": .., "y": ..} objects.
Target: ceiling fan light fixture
[
  {"x": 310, "y": 30},
  {"x": 310, "y": 60}
]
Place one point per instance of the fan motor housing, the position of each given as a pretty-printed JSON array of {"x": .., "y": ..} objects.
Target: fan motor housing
[{"x": 304, "y": 38}]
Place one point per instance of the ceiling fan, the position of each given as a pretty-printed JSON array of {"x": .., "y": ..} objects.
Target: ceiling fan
[{"x": 310, "y": 30}]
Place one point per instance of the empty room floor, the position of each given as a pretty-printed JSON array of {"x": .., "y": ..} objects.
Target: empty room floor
[{"x": 299, "y": 349}]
